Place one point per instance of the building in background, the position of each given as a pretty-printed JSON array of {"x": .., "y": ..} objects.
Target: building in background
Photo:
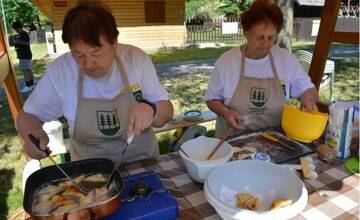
[
  {"x": 144, "y": 23},
  {"x": 307, "y": 14}
]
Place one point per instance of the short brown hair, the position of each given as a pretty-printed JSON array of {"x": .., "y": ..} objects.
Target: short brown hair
[
  {"x": 87, "y": 21},
  {"x": 262, "y": 11}
]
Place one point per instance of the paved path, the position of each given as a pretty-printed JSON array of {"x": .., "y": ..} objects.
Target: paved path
[
  {"x": 186, "y": 67},
  {"x": 344, "y": 52}
]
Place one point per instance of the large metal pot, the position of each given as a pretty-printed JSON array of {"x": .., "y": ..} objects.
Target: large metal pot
[{"x": 75, "y": 168}]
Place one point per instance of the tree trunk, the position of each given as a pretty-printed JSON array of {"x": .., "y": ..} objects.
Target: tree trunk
[{"x": 285, "y": 36}]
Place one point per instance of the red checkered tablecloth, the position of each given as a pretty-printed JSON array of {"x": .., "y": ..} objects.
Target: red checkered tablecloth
[{"x": 333, "y": 195}]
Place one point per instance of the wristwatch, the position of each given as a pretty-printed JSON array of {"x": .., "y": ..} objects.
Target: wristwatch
[{"x": 152, "y": 105}]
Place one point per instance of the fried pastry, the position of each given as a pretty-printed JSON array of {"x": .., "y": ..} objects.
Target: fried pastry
[
  {"x": 247, "y": 201},
  {"x": 279, "y": 202}
]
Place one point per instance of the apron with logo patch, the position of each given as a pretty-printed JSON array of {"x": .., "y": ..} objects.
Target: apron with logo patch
[
  {"x": 263, "y": 99},
  {"x": 100, "y": 128}
]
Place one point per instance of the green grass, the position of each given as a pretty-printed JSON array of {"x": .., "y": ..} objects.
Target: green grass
[
  {"x": 185, "y": 54},
  {"x": 185, "y": 95},
  {"x": 11, "y": 165},
  {"x": 39, "y": 60}
]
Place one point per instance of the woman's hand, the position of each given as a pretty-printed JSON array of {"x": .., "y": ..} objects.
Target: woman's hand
[
  {"x": 234, "y": 119},
  {"x": 308, "y": 100},
  {"x": 28, "y": 124},
  {"x": 140, "y": 117},
  {"x": 33, "y": 150}
]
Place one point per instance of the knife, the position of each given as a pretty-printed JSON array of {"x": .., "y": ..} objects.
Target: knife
[{"x": 274, "y": 139}]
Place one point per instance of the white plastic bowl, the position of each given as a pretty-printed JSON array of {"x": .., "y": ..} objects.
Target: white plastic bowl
[
  {"x": 197, "y": 166},
  {"x": 266, "y": 180}
]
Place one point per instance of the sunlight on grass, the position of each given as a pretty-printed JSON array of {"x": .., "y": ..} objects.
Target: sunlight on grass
[
  {"x": 346, "y": 81},
  {"x": 184, "y": 54},
  {"x": 39, "y": 60}
]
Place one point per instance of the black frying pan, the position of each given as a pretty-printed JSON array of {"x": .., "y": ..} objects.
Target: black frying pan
[{"x": 73, "y": 169}]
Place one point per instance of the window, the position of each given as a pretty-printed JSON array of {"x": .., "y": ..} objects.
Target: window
[{"x": 154, "y": 11}]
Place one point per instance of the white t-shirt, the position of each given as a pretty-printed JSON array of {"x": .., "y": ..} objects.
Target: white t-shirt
[
  {"x": 225, "y": 78},
  {"x": 55, "y": 94}
]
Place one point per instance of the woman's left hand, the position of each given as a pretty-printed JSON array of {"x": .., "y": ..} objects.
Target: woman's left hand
[
  {"x": 308, "y": 100},
  {"x": 140, "y": 117}
]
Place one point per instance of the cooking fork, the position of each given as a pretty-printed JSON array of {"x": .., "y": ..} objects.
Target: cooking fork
[
  {"x": 36, "y": 142},
  {"x": 118, "y": 162}
]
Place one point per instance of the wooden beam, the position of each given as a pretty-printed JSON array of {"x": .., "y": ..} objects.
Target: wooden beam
[
  {"x": 323, "y": 40},
  {"x": 13, "y": 95},
  {"x": 10, "y": 84},
  {"x": 5, "y": 67},
  {"x": 346, "y": 37}
]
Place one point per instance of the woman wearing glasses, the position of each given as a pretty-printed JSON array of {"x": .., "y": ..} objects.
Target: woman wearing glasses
[{"x": 250, "y": 84}]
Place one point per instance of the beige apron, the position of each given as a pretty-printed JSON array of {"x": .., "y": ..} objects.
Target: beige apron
[
  {"x": 262, "y": 98},
  {"x": 100, "y": 128}
]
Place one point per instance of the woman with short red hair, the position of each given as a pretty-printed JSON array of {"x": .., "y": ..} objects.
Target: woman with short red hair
[{"x": 250, "y": 84}]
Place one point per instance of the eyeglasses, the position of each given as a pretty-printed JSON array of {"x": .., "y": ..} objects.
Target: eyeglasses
[{"x": 271, "y": 38}]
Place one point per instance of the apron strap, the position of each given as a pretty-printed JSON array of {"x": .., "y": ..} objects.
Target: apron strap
[
  {"x": 242, "y": 64},
  {"x": 273, "y": 67},
  {"x": 123, "y": 74},
  {"x": 80, "y": 84}
]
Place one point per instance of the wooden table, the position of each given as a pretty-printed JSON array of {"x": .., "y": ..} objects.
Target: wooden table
[{"x": 333, "y": 195}]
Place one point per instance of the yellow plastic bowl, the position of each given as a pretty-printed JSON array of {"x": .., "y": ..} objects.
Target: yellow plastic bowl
[{"x": 302, "y": 126}]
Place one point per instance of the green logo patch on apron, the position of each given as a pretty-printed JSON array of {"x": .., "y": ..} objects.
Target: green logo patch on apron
[
  {"x": 137, "y": 95},
  {"x": 108, "y": 122},
  {"x": 257, "y": 96}
]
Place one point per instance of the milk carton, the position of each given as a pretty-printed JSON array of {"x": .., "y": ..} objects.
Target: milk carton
[{"x": 339, "y": 130}]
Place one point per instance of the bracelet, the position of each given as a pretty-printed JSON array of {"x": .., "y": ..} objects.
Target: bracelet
[{"x": 152, "y": 105}]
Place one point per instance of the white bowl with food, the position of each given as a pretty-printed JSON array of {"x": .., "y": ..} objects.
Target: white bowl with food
[
  {"x": 253, "y": 189},
  {"x": 197, "y": 150}
]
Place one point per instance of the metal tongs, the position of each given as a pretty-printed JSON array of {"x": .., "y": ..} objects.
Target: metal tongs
[
  {"x": 118, "y": 162},
  {"x": 36, "y": 142}
]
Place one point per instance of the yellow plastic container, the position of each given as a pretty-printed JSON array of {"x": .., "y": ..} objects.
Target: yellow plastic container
[{"x": 302, "y": 126}]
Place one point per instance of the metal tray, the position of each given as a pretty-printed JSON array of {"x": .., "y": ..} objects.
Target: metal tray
[{"x": 277, "y": 152}]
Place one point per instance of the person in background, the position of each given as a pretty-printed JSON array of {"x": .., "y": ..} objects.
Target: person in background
[
  {"x": 250, "y": 84},
  {"x": 107, "y": 92},
  {"x": 23, "y": 52}
]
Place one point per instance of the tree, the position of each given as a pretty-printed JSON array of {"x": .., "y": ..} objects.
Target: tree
[
  {"x": 25, "y": 12},
  {"x": 201, "y": 9},
  {"x": 233, "y": 7},
  {"x": 285, "y": 36}
]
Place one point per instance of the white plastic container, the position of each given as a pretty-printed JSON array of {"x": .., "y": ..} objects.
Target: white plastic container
[
  {"x": 265, "y": 180},
  {"x": 54, "y": 130},
  {"x": 198, "y": 149}
]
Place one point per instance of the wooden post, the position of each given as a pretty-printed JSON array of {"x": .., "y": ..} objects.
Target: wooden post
[
  {"x": 8, "y": 79},
  {"x": 323, "y": 40},
  {"x": 10, "y": 84}
]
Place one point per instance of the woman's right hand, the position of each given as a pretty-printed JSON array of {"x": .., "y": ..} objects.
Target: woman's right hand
[
  {"x": 234, "y": 119},
  {"x": 28, "y": 124},
  {"x": 32, "y": 150}
]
